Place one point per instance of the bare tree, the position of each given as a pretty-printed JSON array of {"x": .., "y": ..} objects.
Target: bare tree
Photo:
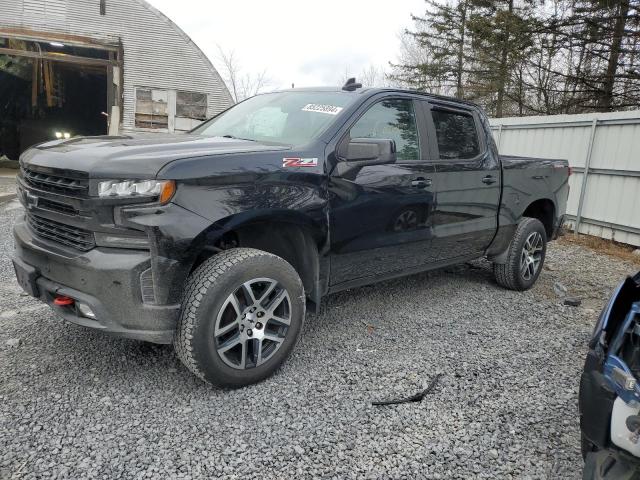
[
  {"x": 241, "y": 84},
  {"x": 346, "y": 75},
  {"x": 372, "y": 76},
  {"x": 253, "y": 84}
]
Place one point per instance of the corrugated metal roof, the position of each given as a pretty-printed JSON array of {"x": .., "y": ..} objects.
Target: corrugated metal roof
[{"x": 157, "y": 53}]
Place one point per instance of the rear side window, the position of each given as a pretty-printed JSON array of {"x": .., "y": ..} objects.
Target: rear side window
[
  {"x": 392, "y": 119},
  {"x": 456, "y": 133}
]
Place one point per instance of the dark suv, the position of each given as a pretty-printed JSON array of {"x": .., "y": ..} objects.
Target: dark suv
[{"x": 219, "y": 240}]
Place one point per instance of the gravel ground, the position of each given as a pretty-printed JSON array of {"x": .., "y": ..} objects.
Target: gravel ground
[
  {"x": 77, "y": 404},
  {"x": 7, "y": 182}
]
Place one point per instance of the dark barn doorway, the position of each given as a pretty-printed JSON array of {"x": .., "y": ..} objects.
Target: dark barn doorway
[{"x": 48, "y": 91}]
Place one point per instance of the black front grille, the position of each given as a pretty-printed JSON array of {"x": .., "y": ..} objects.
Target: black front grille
[
  {"x": 57, "y": 181},
  {"x": 47, "y": 204},
  {"x": 75, "y": 237}
]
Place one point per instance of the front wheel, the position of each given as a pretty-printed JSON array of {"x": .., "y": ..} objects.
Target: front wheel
[
  {"x": 242, "y": 314},
  {"x": 525, "y": 257}
]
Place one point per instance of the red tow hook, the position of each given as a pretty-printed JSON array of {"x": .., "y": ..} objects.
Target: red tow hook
[{"x": 63, "y": 301}]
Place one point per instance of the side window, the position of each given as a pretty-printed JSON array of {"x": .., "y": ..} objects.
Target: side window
[
  {"x": 392, "y": 119},
  {"x": 457, "y": 134}
]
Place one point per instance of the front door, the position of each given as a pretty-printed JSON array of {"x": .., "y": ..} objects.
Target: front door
[
  {"x": 380, "y": 215},
  {"x": 468, "y": 183}
]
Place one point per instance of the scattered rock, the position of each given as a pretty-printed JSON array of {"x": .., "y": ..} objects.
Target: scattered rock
[
  {"x": 636, "y": 252},
  {"x": 572, "y": 302},
  {"x": 298, "y": 449},
  {"x": 559, "y": 289},
  {"x": 13, "y": 342}
]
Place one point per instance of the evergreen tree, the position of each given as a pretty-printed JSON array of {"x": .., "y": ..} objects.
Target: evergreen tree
[
  {"x": 441, "y": 35},
  {"x": 522, "y": 57}
]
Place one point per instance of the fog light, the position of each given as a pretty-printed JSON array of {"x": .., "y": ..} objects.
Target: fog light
[{"x": 85, "y": 311}]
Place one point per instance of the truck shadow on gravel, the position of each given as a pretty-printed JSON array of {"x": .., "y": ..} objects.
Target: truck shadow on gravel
[{"x": 74, "y": 354}]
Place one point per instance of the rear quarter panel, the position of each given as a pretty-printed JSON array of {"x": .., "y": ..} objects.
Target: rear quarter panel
[{"x": 524, "y": 181}]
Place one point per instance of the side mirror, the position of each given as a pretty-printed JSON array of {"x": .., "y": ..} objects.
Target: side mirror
[{"x": 356, "y": 153}]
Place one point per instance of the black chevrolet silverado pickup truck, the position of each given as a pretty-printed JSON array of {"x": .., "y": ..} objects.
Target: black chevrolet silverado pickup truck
[{"x": 218, "y": 240}]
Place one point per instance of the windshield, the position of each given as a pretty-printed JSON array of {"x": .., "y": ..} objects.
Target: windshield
[{"x": 290, "y": 118}]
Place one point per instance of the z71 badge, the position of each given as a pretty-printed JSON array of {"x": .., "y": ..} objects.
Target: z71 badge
[{"x": 299, "y": 162}]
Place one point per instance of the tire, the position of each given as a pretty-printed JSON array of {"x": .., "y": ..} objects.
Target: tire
[
  {"x": 242, "y": 314},
  {"x": 585, "y": 446},
  {"x": 511, "y": 274}
]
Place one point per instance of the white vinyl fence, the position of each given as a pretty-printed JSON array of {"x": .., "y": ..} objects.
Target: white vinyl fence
[{"x": 603, "y": 150}]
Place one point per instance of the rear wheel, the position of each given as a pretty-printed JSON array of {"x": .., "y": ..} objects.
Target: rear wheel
[
  {"x": 525, "y": 256},
  {"x": 242, "y": 314}
]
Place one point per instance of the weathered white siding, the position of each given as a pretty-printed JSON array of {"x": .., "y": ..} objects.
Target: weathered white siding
[
  {"x": 611, "y": 199},
  {"x": 157, "y": 53}
]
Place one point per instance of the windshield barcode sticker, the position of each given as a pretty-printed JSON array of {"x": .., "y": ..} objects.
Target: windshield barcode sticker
[
  {"x": 328, "y": 109},
  {"x": 299, "y": 162}
]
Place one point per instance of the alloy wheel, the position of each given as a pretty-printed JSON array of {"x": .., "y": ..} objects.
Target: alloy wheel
[
  {"x": 531, "y": 255},
  {"x": 252, "y": 323}
]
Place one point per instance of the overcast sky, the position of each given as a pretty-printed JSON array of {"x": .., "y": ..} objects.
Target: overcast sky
[{"x": 306, "y": 43}]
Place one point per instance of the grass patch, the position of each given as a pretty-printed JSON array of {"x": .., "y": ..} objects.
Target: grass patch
[{"x": 612, "y": 248}]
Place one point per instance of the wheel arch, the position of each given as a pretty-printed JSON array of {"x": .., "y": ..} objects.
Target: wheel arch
[
  {"x": 291, "y": 235},
  {"x": 543, "y": 209}
]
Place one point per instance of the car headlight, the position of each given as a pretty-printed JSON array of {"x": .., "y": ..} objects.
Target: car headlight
[{"x": 162, "y": 189}]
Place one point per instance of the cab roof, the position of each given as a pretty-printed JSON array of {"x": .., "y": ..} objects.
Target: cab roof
[{"x": 369, "y": 91}]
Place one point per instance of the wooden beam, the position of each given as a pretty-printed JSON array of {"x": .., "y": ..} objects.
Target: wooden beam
[
  {"x": 34, "y": 84},
  {"x": 67, "y": 39},
  {"x": 48, "y": 86},
  {"x": 57, "y": 57}
]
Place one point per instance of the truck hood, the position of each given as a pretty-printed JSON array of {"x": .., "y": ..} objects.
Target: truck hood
[{"x": 135, "y": 156}]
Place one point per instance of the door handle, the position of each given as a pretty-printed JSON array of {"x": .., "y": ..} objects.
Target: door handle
[
  {"x": 489, "y": 180},
  {"x": 421, "y": 182}
]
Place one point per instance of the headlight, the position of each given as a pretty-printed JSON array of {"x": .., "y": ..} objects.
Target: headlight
[{"x": 162, "y": 189}]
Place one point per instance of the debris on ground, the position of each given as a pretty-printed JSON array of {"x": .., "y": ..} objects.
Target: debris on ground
[
  {"x": 559, "y": 289},
  {"x": 572, "y": 302},
  {"x": 55, "y": 426},
  {"x": 418, "y": 397},
  {"x": 370, "y": 328}
]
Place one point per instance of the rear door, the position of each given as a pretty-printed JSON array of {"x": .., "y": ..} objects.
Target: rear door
[
  {"x": 380, "y": 215},
  {"x": 468, "y": 179}
]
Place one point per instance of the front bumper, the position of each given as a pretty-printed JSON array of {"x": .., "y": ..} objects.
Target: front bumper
[
  {"x": 105, "y": 279},
  {"x": 610, "y": 465}
]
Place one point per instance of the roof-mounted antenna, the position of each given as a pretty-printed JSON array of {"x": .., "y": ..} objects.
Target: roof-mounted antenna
[{"x": 350, "y": 85}]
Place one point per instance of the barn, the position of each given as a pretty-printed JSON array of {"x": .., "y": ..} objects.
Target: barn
[{"x": 95, "y": 67}]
